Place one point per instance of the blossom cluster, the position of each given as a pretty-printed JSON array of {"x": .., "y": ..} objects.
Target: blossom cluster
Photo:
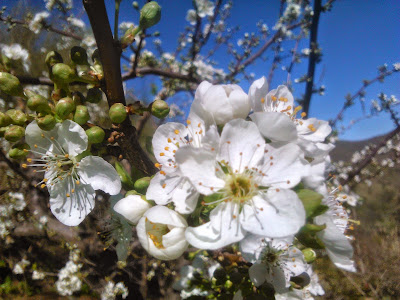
[{"x": 247, "y": 168}]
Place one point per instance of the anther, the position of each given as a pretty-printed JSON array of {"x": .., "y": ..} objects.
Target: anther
[{"x": 176, "y": 131}]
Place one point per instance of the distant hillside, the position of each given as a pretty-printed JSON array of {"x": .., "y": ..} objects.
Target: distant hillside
[{"x": 345, "y": 149}]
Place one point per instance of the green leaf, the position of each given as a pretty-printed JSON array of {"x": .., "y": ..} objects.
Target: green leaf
[
  {"x": 311, "y": 201},
  {"x": 126, "y": 179},
  {"x": 307, "y": 236}
]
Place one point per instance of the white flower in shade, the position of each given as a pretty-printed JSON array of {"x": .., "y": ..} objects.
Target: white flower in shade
[
  {"x": 223, "y": 102},
  {"x": 124, "y": 26},
  {"x": 132, "y": 208},
  {"x": 274, "y": 261},
  {"x": 161, "y": 231},
  {"x": 17, "y": 53},
  {"x": 37, "y": 275},
  {"x": 336, "y": 243},
  {"x": 71, "y": 181},
  {"x": 191, "y": 16},
  {"x": 275, "y": 116},
  {"x": 19, "y": 267},
  {"x": 316, "y": 179},
  {"x": 36, "y": 23},
  {"x": 205, "y": 8},
  {"x": 76, "y": 22},
  {"x": 170, "y": 185},
  {"x": 250, "y": 179}
]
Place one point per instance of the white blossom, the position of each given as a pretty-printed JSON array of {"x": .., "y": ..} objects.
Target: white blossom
[
  {"x": 132, "y": 208},
  {"x": 36, "y": 23},
  {"x": 37, "y": 275},
  {"x": 19, "y": 267},
  {"x": 17, "y": 53},
  {"x": 76, "y": 22}
]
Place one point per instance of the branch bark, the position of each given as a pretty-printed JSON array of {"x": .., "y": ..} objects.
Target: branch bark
[
  {"x": 312, "y": 62},
  {"x": 110, "y": 55}
]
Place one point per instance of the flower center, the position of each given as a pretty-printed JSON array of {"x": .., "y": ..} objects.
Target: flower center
[
  {"x": 270, "y": 257},
  {"x": 155, "y": 231},
  {"x": 240, "y": 187}
]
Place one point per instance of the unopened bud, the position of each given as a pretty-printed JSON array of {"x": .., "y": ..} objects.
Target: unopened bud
[
  {"x": 95, "y": 135},
  {"x": 156, "y": 34},
  {"x": 135, "y": 5},
  {"x": 52, "y": 58},
  {"x": 129, "y": 37},
  {"x": 63, "y": 73},
  {"x": 228, "y": 284},
  {"x": 309, "y": 255},
  {"x": 220, "y": 274},
  {"x": 142, "y": 184},
  {"x": 236, "y": 277},
  {"x": 150, "y": 15},
  {"x": 46, "y": 123},
  {"x": 64, "y": 107},
  {"x": 78, "y": 55},
  {"x": 81, "y": 115},
  {"x": 94, "y": 95},
  {"x": 132, "y": 192},
  {"x": 117, "y": 113},
  {"x": 17, "y": 117},
  {"x": 3, "y": 131},
  {"x": 10, "y": 85},
  {"x": 18, "y": 151},
  {"x": 14, "y": 133},
  {"x": 159, "y": 109},
  {"x": 5, "y": 120},
  {"x": 37, "y": 103}
]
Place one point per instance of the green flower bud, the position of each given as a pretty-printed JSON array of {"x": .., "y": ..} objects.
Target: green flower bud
[
  {"x": 18, "y": 151},
  {"x": 159, "y": 109},
  {"x": 129, "y": 37},
  {"x": 10, "y": 84},
  {"x": 3, "y": 131},
  {"x": 17, "y": 117},
  {"x": 94, "y": 95},
  {"x": 63, "y": 73},
  {"x": 81, "y": 115},
  {"x": 47, "y": 122},
  {"x": 117, "y": 113},
  {"x": 220, "y": 274},
  {"x": 95, "y": 135},
  {"x": 142, "y": 184},
  {"x": 52, "y": 58},
  {"x": 309, "y": 255},
  {"x": 14, "y": 133},
  {"x": 132, "y": 192},
  {"x": 38, "y": 103},
  {"x": 126, "y": 178},
  {"x": 78, "y": 55},
  {"x": 5, "y": 120},
  {"x": 64, "y": 107},
  {"x": 228, "y": 284},
  {"x": 150, "y": 15}
]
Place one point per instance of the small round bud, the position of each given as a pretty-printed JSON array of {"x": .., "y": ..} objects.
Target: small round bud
[
  {"x": 150, "y": 15},
  {"x": 3, "y": 131},
  {"x": 309, "y": 255},
  {"x": 236, "y": 277},
  {"x": 17, "y": 117},
  {"x": 117, "y": 113},
  {"x": 156, "y": 34},
  {"x": 142, "y": 184},
  {"x": 18, "y": 151},
  {"x": 38, "y": 103},
  {"x": 159, "y": 109},
  {"x": 132, "y": 192},
  {"x": 10, "y": 85},
  {"x": 64, "y": 107},
  {"x": 129, "y": 37},
  {"x": 94, "y": 95},
  {"x": 63, "y": 73},
  {"x": 14, "y": 133},
  {"x": 78, "y": 55},
  {"x": 135, "y": 5},
  {"x": 95, "y": 134},
  {"x": 5, "y": 120},
  {"x": 52, "y": 58},
  {"x": 228, "y": 284},
  {"x": 81, "y": 115},
  {"x": 220, "y": 274},
  {"x": 46, "y": 123}
]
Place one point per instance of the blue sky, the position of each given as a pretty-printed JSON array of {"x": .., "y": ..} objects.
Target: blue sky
[{"x": 356, "y": 37}]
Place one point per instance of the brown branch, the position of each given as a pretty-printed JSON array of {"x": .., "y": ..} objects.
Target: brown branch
[
  {"x": 155, "y": 71},
  {"x": 48, "y": 27},
  {"x": 312, "y": 61},
  {"x": 110, "y": 55}
]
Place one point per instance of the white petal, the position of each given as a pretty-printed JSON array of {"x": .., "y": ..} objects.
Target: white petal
[
  {"x": 35, "y": 136},
  {"x": 320, "y": 129},
  {"x": 278, "y": 279},
  {"x": 222, "y": 230},
  {"x": 337, "y": 245},
  {"x": 185, "y": 198},
  {"x": 241, "y": 145},
  {"x": 132, "y": 208},
  {"x": 162, "y": 187},
  {"x": 163, "y": 215},
  {"x": 99, "y": 174},
  {"x": 71, "y": 210},
  {"x": 72, "y": 138},
  {"x": 198, "y": 165},
  {"x": 277, "y": 214},
  {"x": 284, "y": 166},
  {"x": 216, "y": 102},
  {"x": 251, "y": 246},
  {"x": 202, "y": 89},
  {"x": 275, "y": 126},
  {"x": 284, "y": 100},
  {"x": 258, "y": 90},
  {"x": 257, "y": 273},
  {"x": 167, "y": 139},
  {"x": 239, "y": 101}
]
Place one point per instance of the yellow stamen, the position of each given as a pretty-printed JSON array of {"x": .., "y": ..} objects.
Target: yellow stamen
[
  {"x": 311, "y": 127},
  {"x": 262, "y": 100},
  {"x": 24, "y": 166},
  {"x": 188, "y": 122},
  {"x": 176, "y": 131}
]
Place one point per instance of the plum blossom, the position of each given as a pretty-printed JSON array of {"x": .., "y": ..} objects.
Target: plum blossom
[
  {"x": 251, "y": 180},
  {"x": 275, "y": 261},
  {"x": 223, "y": 102},
  {"x": 36, "y": 23},
  {"x": 275, "y": 116},
  {"x": 17, "y": 53},
  {"x": 132, "y": 208},
  {"x": 161, "y": 231},
  {"x": 70, "y": 177}
]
